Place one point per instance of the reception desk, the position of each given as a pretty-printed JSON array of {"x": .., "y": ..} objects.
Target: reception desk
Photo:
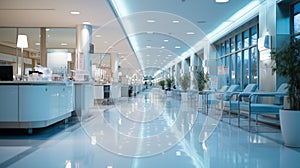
[{"x": 35, "y": 104}]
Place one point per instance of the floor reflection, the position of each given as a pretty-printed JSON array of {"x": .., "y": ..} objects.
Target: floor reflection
[{"x": 149, "y": 130}]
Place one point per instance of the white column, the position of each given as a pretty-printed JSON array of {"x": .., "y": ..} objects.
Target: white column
[
  {"x": 114, "y": 64},
  {"x": 193, "y": 71},
  {"x": 178, "y": 73},
  {"x": 83, "y": 41}
]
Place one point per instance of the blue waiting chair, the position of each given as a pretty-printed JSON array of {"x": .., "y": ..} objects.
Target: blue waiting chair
[
  {"x": 259, "y": 108},
  {"x": 227, "y": 96},
  {"x": 230, "y": 105}
]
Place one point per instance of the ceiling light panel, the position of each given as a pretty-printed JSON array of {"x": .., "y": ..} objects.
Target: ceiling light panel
[
  {"x": 222, "y": 1},
  {"x": 75, "y": 12},
  {"x": 164, "y": 15}
]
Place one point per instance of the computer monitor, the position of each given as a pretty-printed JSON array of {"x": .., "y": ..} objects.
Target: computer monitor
[{"x": 6, "y": 73}]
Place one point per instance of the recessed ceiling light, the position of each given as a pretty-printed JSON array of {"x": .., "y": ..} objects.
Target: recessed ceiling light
[
  {"x": 177, "y": 47},
  {"x": 75, "y": 12},
  {"x": 222, "y": 1},
  {"x": 63, "y": 44},
  {"x": 166, "y": 40},
  {"x": 98, "y": 35},
  {"x": 162, "y": 47},
  {"x": 175, "y": 21},
  {"x": 178, "y": 153},
  {"x": 86, "y": 23},
  {"x": 151, "y": 21},
  {"x": 190, "y": 33}
]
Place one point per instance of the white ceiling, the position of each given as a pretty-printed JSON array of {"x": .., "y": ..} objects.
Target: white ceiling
[{"x": 198, "y": 16}]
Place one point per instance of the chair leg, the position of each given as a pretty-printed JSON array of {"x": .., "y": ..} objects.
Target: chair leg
[
  {"x": 249, "y": 125},
  {"x": 239, "y": 118},
  {"x": 229, "y": 116},
  {"x": 256, "y": 123}
]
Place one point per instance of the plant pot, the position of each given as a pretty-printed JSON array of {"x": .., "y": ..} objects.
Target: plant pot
[
  {"x": 169, "y": 93},
  {"x": 184, "y": 97},
  {"x": 200, "y": 103},
  {"x": 289, "y": 123}
]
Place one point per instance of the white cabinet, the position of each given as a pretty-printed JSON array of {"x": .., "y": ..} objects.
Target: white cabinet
[
  {"x": 98, "y": 92},
  {"x": 36, "y": 102},
  {"x": 8, "y": 103},
  {"x": 34, "y": 105},
  {"x": 44, "y": 102},
  {"x": 84, "y": 98}
]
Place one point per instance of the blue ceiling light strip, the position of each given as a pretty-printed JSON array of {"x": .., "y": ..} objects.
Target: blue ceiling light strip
[{"x": 115, "y": 11}]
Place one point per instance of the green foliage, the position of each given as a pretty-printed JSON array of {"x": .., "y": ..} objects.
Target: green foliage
[
  {"x": 201, "y": 79},
  {"x": 162, "y": 84},
  {"x": 184, "y": 81},
  {"x": 287, "y": 64},
  {"x": 169, "y": 83}
]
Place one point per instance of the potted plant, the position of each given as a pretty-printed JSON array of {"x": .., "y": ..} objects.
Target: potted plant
[
  {"x": 184, "y": 82},
  {"x": 169, "y": 85},
  {"x": 162, "y": 84},
  {"x": 201, "y": 80},
  {"x": 287, "y": 64}
]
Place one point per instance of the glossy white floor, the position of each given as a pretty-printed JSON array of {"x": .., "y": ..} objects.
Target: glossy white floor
[{"x": 149, "y": 130}]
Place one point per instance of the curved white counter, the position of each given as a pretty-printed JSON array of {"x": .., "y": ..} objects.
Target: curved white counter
[{"x": 35, "y": 104}]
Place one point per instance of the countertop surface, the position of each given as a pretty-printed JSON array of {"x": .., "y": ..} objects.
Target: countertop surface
[{"x": 35, "y": 82}]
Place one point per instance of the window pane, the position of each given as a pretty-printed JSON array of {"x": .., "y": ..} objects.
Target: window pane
[
  {"x": 227, "y": 49},
  {"x": 8, "y": 43},
  {"x": 239, "y": 66},
  {"x": 246, "y": 38},
  {"x": 254, "y": 65},
  {"x": 222, "y": 49},
  {"x": 232, "y": 44},
  {"x": 246, "y": 68},
  {"x": 297, "y": 18},
  {"x": 218, "y": 50},
  {"x": 233, "y": 69},
  {"x": 297, "y": 23},
  {"x": 238, "y": 42},
  {"x": 253, "y": 36},
  {"x": 61, "y": 38}
]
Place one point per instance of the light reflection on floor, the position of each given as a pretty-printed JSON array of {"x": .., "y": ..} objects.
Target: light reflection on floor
[{"x": 149, "y": 130}]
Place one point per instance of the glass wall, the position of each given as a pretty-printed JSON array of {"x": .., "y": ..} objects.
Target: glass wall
[
  {"x": 296, "y": 20},
  {"x": 56, "y": 38},
  {"x": 238, "y": 56}
]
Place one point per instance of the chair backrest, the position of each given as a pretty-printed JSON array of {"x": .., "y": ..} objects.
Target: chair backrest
[
  {"x": 283, "y": 88},
  {"x": 232, "y": 88},
  {"x": 220, "y": 92},
  {"x": 223, "y": 89},
  {"x": 249, "y": 88}
]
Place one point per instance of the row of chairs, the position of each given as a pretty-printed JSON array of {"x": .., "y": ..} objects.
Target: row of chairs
[{"x": 249, "y": 102}]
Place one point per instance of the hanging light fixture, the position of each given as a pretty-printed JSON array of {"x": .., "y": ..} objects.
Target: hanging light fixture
[{"x": 21, "y": 43}]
